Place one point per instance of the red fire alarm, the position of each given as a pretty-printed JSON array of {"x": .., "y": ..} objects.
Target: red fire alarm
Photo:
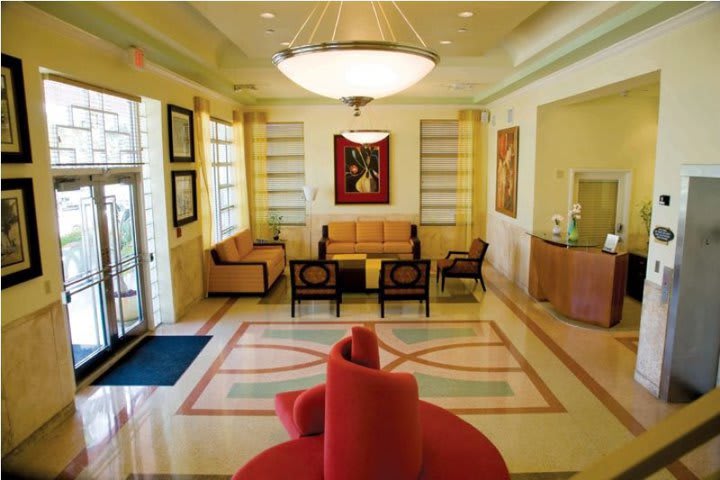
[{"x": 137, "y": 58}]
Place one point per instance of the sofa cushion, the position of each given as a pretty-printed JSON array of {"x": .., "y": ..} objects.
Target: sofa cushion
[
  {"x": 366, "y": 232},
  {"x": 227, "y": 250},
  {"x": 271, "y": 256},
  {"x": 341, "y": 247},
  {"x": 396, "y": 231},
  {"x": 244, "y": 242},
  {"x": 341, "y": 231},
  {"x": 397, "y": 247},
  {"x": 369, "y": 247}
]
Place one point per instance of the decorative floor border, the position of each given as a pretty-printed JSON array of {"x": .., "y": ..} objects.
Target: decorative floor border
[{"x": 553, "y": 404}]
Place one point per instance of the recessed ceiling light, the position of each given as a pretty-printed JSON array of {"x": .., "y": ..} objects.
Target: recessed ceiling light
[
  {"x": 269, "y": 31},
  {"x": 285, "y": 44},
  {"x": 462, "y": 30},
  {"x": 465, "y": 14},
  {"x": 267, "y": 15},
  {"x": 445, "y": 42}
]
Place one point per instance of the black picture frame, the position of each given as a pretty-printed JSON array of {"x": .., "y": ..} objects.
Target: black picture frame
[
  {"x": 14, "y": 126},
  {"x": 182, "y": 190},
  {"x": 181, "y": 134},
  {"x": 20, "y": 247}
]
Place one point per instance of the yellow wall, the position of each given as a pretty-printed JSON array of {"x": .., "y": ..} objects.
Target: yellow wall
[
  {"x": 686, "y": 54},
  {"x": 609, "y": 133},
  {"x": 403, "y": 122},
  {"x": 42, "y": 42}
]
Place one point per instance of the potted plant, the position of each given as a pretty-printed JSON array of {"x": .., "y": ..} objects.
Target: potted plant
[
  {"x": 274, "y": 221},
  {"x": 646, "y": 215},
  {"x": 556, "y": 219}
]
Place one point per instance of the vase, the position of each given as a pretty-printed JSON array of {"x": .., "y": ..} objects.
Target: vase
[
  {"x": 572, "y": 231},
  {"x": 556, "y": 230}
]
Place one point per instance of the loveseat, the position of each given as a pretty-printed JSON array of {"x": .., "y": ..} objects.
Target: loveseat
[
  {"x": 239, "y": 266},
  {"x": 393, "y": 237}
]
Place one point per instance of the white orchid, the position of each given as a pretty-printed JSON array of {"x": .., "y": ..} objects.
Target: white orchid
[
  {"x": 557, "y": 218},
  {"x": 574, "y": 213}
]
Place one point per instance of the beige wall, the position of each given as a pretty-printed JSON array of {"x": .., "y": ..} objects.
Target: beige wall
[{"x": 609, "y": 133}]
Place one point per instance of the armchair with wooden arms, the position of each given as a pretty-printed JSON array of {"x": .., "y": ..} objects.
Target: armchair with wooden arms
[
  {"x": 314, "y": 280},
  {"x": 469, "y": 266},
  {"x": 404, "y": 280}
]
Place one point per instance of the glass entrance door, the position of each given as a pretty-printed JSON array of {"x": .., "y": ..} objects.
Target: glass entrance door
[{"x": 103, "y": 264}]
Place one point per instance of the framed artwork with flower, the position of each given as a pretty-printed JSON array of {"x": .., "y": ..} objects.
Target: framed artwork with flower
[
  {"x": 362, "y": 172},
  {"x": 507, "y": 171}
]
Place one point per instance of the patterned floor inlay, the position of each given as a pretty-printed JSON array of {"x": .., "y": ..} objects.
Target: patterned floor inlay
[
  {"x": 542, "y": 475},
  {"x": 469, "y": 367}
]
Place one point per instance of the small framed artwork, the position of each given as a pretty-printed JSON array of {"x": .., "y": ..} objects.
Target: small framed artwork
[
  {"x": 15, "y": 132},
  {"x": 362, "y": 172},
  {"x": 182, "y": 137},
  {"x": 611, "y": 243},
  {"x": 507, "y": 171},
  {"x": 20, "y": 248},
  {"x": 184, "y": 196}
]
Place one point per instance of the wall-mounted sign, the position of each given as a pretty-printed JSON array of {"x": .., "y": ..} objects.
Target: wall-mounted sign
[{"x": 663, "y": 234}]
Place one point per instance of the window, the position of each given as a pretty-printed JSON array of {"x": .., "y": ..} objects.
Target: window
[
  {"x": 286, "y": 172},
  {"x": 89, "y": 125},
  {"x": 438, "y": 171},
  {"x": 223, "y": 179}
]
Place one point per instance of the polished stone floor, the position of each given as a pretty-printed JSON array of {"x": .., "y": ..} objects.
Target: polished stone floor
[{"x": 554, "y": 398}]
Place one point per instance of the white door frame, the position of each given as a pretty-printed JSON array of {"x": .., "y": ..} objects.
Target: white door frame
[{"x": 624, "y": 179}]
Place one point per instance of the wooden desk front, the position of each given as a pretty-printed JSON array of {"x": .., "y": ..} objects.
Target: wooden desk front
[{"x": 584, "y": 284}]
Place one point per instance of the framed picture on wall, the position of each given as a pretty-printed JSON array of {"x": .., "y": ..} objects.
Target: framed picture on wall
[
  {"x": 507, "y": 171},
  {"x": 20, "y": 248},
  {"x": 184, "y": 195},
  {"x": 362, "y": 172},
  {"x": 15, "y": 132},
  {"x": 182, "y": 137}
]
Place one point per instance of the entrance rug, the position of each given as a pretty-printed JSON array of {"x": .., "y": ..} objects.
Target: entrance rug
[{"x": 156, "y": 360}]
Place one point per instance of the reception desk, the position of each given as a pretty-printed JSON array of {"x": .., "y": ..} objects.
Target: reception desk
[{"x": 580, "y": 281}]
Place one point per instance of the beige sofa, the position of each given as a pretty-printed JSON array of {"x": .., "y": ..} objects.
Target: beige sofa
[
  {"x": 386, "y": 237},
  {"x": 239, "y": 266}
]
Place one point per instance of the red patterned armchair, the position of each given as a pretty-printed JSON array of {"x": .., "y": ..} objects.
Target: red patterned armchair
[
  {"x": 469, "y": 266},
  {"x": 366, "y": 423}
]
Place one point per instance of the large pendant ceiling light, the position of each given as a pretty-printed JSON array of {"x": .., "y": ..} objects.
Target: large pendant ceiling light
[{"x": 356, "y": 71}]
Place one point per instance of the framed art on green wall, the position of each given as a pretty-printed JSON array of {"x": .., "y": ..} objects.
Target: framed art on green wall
[{"x": 15, "y": 132}]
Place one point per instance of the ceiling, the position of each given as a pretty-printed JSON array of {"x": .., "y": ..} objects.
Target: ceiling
[{"x": 501, "y": 47}]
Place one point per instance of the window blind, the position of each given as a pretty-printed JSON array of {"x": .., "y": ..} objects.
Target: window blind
[
  {"x": 438, "y": 171},
  {"x": 224, "y": 183},
  {"x": 599, "y": 204},
  {"x": 286, "y": 172},
  {"x": 91, "y": 126}
]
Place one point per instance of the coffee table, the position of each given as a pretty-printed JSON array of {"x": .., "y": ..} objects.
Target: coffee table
[{"x": 360, "y": 272}]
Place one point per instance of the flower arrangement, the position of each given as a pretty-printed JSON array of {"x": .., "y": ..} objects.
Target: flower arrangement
[{"x": 574, "y": 213}]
